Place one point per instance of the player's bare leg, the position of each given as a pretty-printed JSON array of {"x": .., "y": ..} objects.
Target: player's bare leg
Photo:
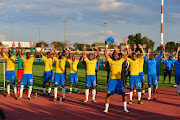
[
  {"x": 93, "y": 94},
  {"x": 8, "y": 90},
  {"x": 70, "y": 88},
  {"x": 49, "y": 89},
  {"x": 87, "y": 94},
  {"x": 130, "y": 95},
  {"x": 63, "y": 92},
  {"x": 76, "y": 88},
  {"x": 154, "y": 92},
  {"x": 15, "y": 90},
  {"x": 55, "y": 92},
  {"x": 143, "y": 88},
  {"x": 149, "y": 92},
  {"x": 44, "y": 88}
]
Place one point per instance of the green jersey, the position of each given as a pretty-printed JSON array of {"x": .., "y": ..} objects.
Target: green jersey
[{"x": 20, "y": 62}]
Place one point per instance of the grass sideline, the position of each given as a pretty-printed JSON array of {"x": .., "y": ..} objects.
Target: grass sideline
[{"x": 38, "y": 70}]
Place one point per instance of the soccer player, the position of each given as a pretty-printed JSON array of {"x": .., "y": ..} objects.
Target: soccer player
[
  {"x": 177, "y": 69},
  {"x": 10, "y": 74},
  {"x": 152, "y": 75},
  {"x": 115, "y": 82},
  {"x": 168, "y": 69},
  {"x": 60, "y": 72},
  {"x": 48, "y": 72},
  {"x": 20, "y": 71},
  {"x": 90, "y": 76},
  {"x": 141, "y": 64},
  {"x": 73, "y": 72},
  {"x": 27, "y": 76},
  {"x": 134, "y": 74}
]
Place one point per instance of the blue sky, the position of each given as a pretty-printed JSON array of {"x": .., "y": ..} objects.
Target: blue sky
[{"x": 86, "y": 18}]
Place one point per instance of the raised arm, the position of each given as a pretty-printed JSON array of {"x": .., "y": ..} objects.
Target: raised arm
[
  {"x": 172, "y": 57},
  {"x": 128, "y": 49},
  {"x": 159, "y": 57},
  {"x": 84, "y": 56},
  {"x": 98, "y": 54},
  {"x": 14, "y": 53},
  {"x": 13, "y": 45},
  {"x": 106, "y": 53},
  {"x": 69, "y": 54},
  {"x": 2, "y": 47},
  {"x": 34, "y": 44},
  {"x": 19, "y": 45},
  {"x": 30, "y": 43},
  {"x": 42, "y": 47},
  {"x": 149, "y": 50},
  {"x": 141, "y": 47},
  {"x": 135, "y": 47},
  {"x": 80, "y": 56},
  {"x": 176, "y": 56},
  {"x": 55, "y": 52}
]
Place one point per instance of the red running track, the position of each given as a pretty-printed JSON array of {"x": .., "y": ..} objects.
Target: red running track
[{"x": 43, "y": 108}]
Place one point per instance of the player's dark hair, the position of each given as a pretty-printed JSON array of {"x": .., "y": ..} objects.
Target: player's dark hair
[
  {"x": 48, "y": 53},
  {"x": 27, "y": 53},
  {"x": 155, "y": 54},
  {"x": 120, "y": 54},
  {"x": 133, "y": 54},
  {"x": 9, "y": 52}
]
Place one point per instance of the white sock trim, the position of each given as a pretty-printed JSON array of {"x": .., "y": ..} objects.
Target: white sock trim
[
  {"x": 55, "y": 92},
  {"x": 130, "y": 95},
  {"x": 106, "y": 106},
  {"x": 93, "y": 94},
  {"x": 139, "y": 96},
  {"x": 30, "y": 90},
  {"x": 149, "y": 92},
  {"x": 8, "y": 89},
  {"x": 125, "y": 105},
  {"x": 21, "y": 90},
  {"x": 44, "y": 90},
  {"x": 49, "y": 90},
  {"x": 63, "y": 92},
  {"x": 87, "y": 93},
  {"x": 15, "y": 89}
]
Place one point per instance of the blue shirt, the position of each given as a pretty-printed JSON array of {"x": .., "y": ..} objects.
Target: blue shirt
[
  {"x": 177, "y": 65},
  {"x": 168, "y": 63},
  {"x": 99, "y": 65},
  {"x": 157, "y": 65},
  {"x": 152, "y": 64}
]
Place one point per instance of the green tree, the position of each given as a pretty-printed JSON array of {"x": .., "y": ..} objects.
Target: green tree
[
  {"x": 42, "y": 42},
  {"x": 58, "y": 45},
  {"x": 138, "y": 39},
  {"x": 170, "y": 46},
  {"x": 159, "y": 48}
]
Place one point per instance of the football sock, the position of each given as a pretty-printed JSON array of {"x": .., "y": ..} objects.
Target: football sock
[
  {"x": 139, "y": 96},
  {"x": 154, "y": 96},
  {"x": 21, "y": 90},
  {"x": 55, "y": 92},
  {"x": 70, "y": 89},
  {"x": 125, "y": 105},
  {"x": 76, "y": 89},
  {"x": 49, "y": 90},
  {"x": 130, "y": 95},
  {"x": 178, "y": 88},
  {"x": 87, "y": 93},
  {"x": 134, "y": 90},
  {"x": 63, "y": 92},
  {"x": 44, "y": 90},
  {"x": 29, "y": 92},
  {"x": 156, "y": 86},
  {"x": 106, "y": 106},
  {"x": 15, "y": 89},
  {"x": 93, "y": 94},
  {"x": 149, "y": 92},
  {"x": 8, "y": 89},
  {"x": 143, "y": 91}
]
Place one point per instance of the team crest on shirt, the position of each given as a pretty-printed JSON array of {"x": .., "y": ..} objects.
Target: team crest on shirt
[
  {"x": 139, "y": 84},
  {"x": 31, "y": 80},
  {"x": 123, "y": 89},
  {"x": 56, "y": 83},
  {"x": 108, "y": 91}
]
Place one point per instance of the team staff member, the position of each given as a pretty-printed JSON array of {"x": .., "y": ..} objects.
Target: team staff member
[{"x": 10, "y": 74}]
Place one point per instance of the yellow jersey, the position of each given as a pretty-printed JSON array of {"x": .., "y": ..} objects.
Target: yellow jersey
[
  {"x": 90, "y": 66},
  {"x": 28, "y": 65},
  {"x": 135, "y": 64},
  {"x": 73, "y": 65},
  {"x": 141, "y": 64},
  {"x": 116, "y": 68},
  {"x": 48, "y": 62},
  {"x": 10, "y": 62},
  {"x": 60, "y": 64}
]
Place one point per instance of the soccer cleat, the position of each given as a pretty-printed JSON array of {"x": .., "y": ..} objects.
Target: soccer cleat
[
  {"x": 130, "y": 102},
  {"x": 49, "y": 94},
  {"x": 139, "y": 102},
  {"x": 55, "y": 99},
  {"x": 143, "y": 93},
  {"x": 155, "y": 98},
  {"x": 8, "y": 95},
  {"x": 148, "y": 99},
  {"x": 178, "y": 94},
  {"x": 126, "y": 111},
  {"x": 105, "y": 111},
  {"x": 64, "y": 99},
  {"x": 77, "y": 92},
  {"x": 19, "y": 98},
  {"x": 70, "y": 92},
  {"x": 86, "y": 100},
  {"x": 29, "y": 98},
  {"x": 43, "y": 94},
  {"x": 94, "y": 101},
  {"x": 16, "y": 96}
]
